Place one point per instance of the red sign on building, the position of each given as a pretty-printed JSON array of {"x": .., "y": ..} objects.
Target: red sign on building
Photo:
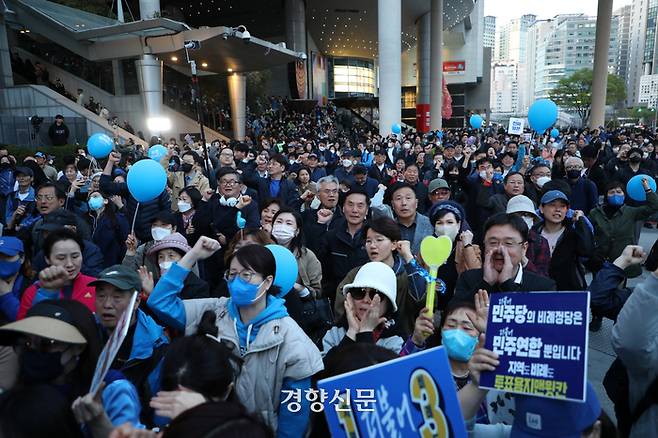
[{"x": 454, "y": 67}]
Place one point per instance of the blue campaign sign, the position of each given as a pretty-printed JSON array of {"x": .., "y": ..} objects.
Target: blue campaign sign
[
  {"x": 413, "y": 396},
  {"x": 541, "y": 338}
]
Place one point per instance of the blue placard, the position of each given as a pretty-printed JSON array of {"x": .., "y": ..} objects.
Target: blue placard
[
  {"x": 408, "y": 397},
  {"x": 542, "y": 339}
]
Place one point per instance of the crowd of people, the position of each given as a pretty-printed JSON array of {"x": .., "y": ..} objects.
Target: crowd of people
[{"x": 213, "y": 344}]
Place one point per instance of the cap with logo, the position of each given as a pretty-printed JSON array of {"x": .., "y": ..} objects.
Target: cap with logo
[
  {"x": 438, "y": 183},
  {"x": 122, "y": 277},
  {"x": 10, "y": 246}
]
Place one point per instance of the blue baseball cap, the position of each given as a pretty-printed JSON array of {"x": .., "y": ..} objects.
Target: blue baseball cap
[
  {"x": 10, "y": 246},
  {"x": 545, "y": 417},
  {"x": 553, "y": 195}
]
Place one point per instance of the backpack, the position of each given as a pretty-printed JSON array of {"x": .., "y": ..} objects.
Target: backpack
[{"x": 616, "y": 384}]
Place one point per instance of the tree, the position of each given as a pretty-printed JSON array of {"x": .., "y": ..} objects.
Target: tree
[{"x": 574, "y": 92}]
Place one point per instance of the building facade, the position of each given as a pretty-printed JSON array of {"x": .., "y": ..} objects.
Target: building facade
[
  {"x": 648, "y": 92},
  {"x": 489, "y": 31},
  {"x": 642, "y": 56}
]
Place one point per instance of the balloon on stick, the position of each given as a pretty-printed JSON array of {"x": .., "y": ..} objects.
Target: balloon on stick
[
  {"x": 476, "y": 121},
  {"x": 555, "y": 133},
  {"x": 146, "y": 180},
  {"x": 396, "y": 128},
  {"x": 635, "y": 189},
  {"x": 542, "y": 115},
  {"x": 99, "y": 145},
  {"x": 286, "y": 268},
  {"x": 157, "y": 152}
]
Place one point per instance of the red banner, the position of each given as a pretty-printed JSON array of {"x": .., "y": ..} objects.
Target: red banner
[{"x": 454, "y": 67}]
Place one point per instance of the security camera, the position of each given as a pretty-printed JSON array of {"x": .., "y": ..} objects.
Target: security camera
[
  {"x": 303, "y": 56},
  {"x": 224, "y": 35},
  {"x": 246, "y": 36},
  {"x": 192, "y": 44}
]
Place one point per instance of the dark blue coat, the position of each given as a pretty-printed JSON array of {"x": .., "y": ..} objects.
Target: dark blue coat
[{"x": 110, "y": 237}]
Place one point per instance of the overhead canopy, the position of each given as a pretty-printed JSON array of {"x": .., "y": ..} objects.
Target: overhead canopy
[{"x": 98, "y": 38}]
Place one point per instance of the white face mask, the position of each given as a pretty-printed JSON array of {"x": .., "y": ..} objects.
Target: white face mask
[
  {"x": 159, "y": 233},
  {"x": 528, "y": 221},
  {"x": 347, "y": 163},
  {"x": 165, "y": 266},
  {"x": 407, "y": 146},
  {"x": 315, "y": 203},
  {"x": 542, "y": 180},
  {"x": 447, "y": 230},
  {"x": 483, "y": 174},
  {"x": 283, "y": 233},
  {"x": 184, "y": 206}
]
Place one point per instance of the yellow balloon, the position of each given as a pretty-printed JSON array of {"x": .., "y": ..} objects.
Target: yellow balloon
[{"x": 435, "y": 250}]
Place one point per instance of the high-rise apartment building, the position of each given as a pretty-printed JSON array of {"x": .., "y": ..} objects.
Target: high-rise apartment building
[
  {"x": 490, "y": 31},
  {"x": 643, "y": 46}
]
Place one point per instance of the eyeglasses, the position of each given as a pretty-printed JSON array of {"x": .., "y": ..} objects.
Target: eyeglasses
[
  {"x": 245, "y": 275},
  {"x": 45, "y": 197},
  {"x": 494, "y": 243},
  {"x": 330, "y": 191},
  {"x": 229, "y": 183},
  {"x": 359, "y": 293}
]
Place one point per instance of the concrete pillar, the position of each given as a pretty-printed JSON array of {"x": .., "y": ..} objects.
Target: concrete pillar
[
  {"x": 389, "y": 27},
  {"x": 237, "y": 94},
  {"x": 423, "y": 73},
  {"x": 295, "y": 15},
  {"x": 149, "y": 75},
  {"x": 117, "y": 78},
  {"x": 600, "y": 81},
  {"x": 6, "y": 76},
  {"x": 436, "y": 63},
  {"x": 149, "y": 9}
]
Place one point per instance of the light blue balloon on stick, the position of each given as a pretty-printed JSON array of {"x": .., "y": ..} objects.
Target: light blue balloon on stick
[
  {"x": 146, "y": 180},
  {"x": 635, "y": 189},
  {"x": 396, "y": 128},
  {"x": 542, "y": 115},
  {"x": 555, "y": 133},
  {"x": 286, "y": 268},
  {"x": 157, "y": 152},
  {"x": 99, "y": 145},
  {"x": 476, "y": 121},
  {"x": 240, "y": 221}
]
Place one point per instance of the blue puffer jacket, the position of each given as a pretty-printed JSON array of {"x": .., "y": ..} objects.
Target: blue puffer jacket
[
  {"x": 7, "y": 180},
  {"x": 120, "y": 400},
  {"x": 147, "y": 210}
]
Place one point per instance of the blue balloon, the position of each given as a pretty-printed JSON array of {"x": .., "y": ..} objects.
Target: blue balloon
[
  {"x": 555, "y": 133},
  {"x": 476, "y": 121},
  {"x": 157, "y": 152},
  {"x": 635, "y": 189},
  {"x": 100, "y": 145},
  {"x": 286, "y": 268},
  {"x": 542, "y": 115},
  {"x": 146, "y": 180},
  {"x": 396, "y": 128}
]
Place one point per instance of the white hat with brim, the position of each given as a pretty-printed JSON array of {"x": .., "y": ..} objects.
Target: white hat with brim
[
  {"x": 378, "y": 276},
  {"x": 45, "y": 327}
]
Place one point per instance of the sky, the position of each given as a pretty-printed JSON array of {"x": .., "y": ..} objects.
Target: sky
[{"x": 505, "y": 10}]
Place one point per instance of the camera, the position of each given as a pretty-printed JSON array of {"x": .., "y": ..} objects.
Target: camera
[
  {"x": 192, "y": 44},
  {"x": 35, "y": 120},
  {"x": 246, "y": 36}
]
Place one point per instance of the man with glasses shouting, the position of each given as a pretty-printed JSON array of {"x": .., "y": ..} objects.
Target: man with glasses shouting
[{"x": 505, "y": 244}]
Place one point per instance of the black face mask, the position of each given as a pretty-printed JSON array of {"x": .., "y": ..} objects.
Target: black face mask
[
  {"x": 573, "y": 174},
  {"x": 40, "y": 367},
  {"x": 186, "y": 167}
]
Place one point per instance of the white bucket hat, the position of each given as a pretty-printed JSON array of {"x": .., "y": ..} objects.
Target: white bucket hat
[
  {"x": 521, "y": 204},
  {"x": 378, "y": 276}
]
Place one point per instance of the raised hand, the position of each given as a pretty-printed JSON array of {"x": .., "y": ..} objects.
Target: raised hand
[
  {"x": 243, "y": 202},
  {"x": 481, "y": 301},
  {"x": 490, "y": 275},
  {"x": 423, "y": 328},
  {"x": 324, "y": 215},
  {"x": 147, "y": 280},
  {"x": 353, "y": 323},
  {"x": 53, "y": 277},
  {"x": 373, "y": 318},
  {"x": 508, "y": 268},
  {"x": 172, "y": 403},
  {"x": 482, "y": 360},
  {"x": 131, "y": 245}
]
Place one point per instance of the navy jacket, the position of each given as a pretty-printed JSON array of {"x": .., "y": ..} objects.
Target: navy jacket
[
  {"x": 607, "y": 298},
  {"x": 584, "y": 195},
  {"x": 110, "y": 237},
  {"x": 287, "y": 193},
  {"x": 92, "y": 260}
]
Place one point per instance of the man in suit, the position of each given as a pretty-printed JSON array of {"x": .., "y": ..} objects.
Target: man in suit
[{"x": 505, "y": 244}]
